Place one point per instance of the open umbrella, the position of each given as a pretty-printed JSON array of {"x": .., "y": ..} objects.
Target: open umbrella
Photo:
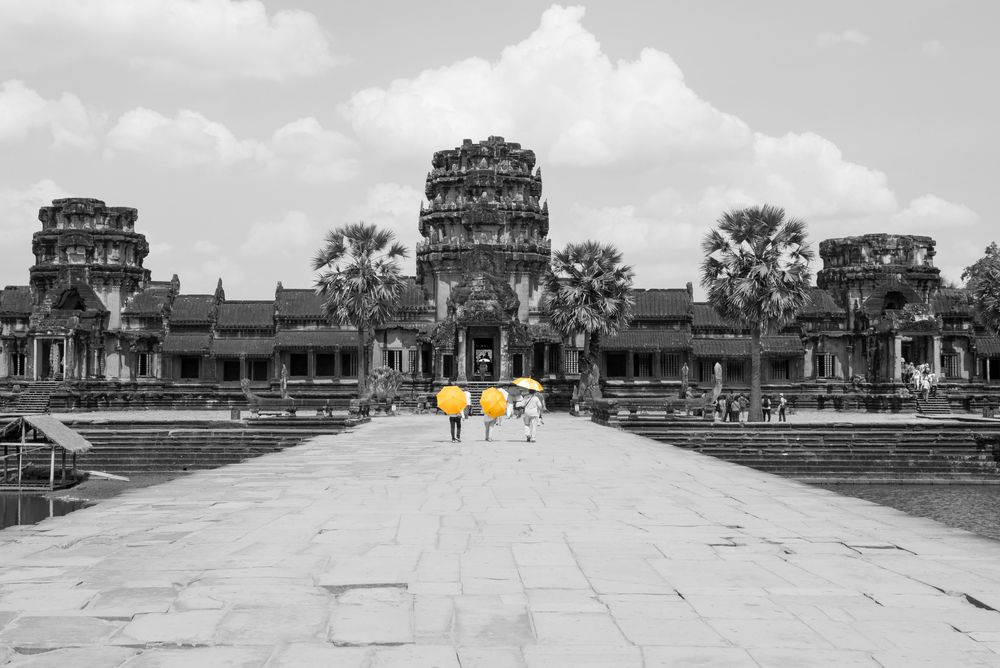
[
  {"x": 451, "y": 399},
  {"x": 528, "y": 384},
  {"x": 494, "y": 402}
]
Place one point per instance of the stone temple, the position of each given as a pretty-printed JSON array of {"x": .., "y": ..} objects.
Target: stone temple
[{"x": 96, "y": 330}]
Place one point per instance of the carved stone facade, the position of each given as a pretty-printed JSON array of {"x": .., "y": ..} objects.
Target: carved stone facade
[{"x": 92, "y": 315}]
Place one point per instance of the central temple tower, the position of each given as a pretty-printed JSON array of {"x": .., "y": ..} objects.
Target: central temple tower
[{"x": 485, "y": 247}]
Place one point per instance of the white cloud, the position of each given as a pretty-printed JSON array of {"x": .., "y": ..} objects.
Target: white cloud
[
  {"x": 202, "y": 40},
  {"x": 23, "y": 110},
  {"x": 932, "y": 48},
  {"x": 205, "y": 247},
  {"x": 392, "y": 206},
  {"x": 187, "y": 139},
  {"x": 571, "y": 103},
  {"x": 314, "y": 154},
  {"x": 930, "y": 212},
  {"x": 200, "y": 276},
  {"x": 808, "y": 175},
  {"x": 303, "y": 147},
  {"x": 557, "y": 90},
  {"x": 18, "y": 222},
  {"x": 293, "y": 235},
  {"x": 828, "y": 39}
]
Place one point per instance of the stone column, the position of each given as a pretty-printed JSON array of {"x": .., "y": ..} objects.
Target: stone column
[
  {"x": 897, "y": 356},
  {"x": 460, "y": 373},
  {"x": 655, "y": 372},
  {"x": 338, "y": 368},
  {"x": 420, "y": 360},
  {"x": 504, "y": 354},
  {"x": 69, "y": 361},
  {"x": 545, "y": 361},
  {"x": 936, "y": 363},
  {"x": 34, "y": 359}
]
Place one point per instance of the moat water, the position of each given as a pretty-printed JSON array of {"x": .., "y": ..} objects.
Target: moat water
[
  {"x": 974, "y": 508},
  {"x": 33, "y": 508}
]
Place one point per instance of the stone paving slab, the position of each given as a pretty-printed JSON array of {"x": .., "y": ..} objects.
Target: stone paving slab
[{"x": 391, "y": 546}]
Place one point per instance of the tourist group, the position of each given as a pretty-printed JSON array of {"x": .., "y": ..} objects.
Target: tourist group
[{"x": 523, "y": 400}]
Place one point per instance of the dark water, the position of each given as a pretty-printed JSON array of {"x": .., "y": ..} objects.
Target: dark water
[
  {"x": 32, "y": 508},
  {"x": 974, "y": 508}
]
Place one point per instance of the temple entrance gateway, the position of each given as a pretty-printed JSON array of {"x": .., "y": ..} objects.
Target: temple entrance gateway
[
  {"x": 483, "y": 356},
  {"x": 51, "y": 359}
]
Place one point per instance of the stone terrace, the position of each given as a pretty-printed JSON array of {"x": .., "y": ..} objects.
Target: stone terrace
[{"x": 391, "y": 546}]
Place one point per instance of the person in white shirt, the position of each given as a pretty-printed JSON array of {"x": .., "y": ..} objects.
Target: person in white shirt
[{"x": 532, "y": 415}]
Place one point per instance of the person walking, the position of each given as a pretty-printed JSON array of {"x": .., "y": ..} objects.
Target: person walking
[
  {"x": 455, "y": 421},
  {"x": 765, "y": 408},
  {"x": 734, "y": 409},
  {"x": 744, "y": 405},
  {"x": 532, "y": 415},
  {"x": 720, "y": 410},
  {"x": 782, "y": 406},
  {"x": 489, "y": 423}
]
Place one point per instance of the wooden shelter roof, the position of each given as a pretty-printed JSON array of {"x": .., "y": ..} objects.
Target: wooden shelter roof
[{"x": 52, "y": 429}]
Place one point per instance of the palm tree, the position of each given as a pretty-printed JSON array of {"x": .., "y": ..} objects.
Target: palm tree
[
  {"x": 756, "y": 272},
  {"x": 986, "y": 296},
  {"x": 359, "y": 281},
  {"x": 588, "y": 291}
]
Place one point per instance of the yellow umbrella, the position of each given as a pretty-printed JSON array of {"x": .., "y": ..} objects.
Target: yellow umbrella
[
  {"x": 494, "y": 402},
  {"x": 451, "y": 399},
  {"x": 528, "y": 384}
]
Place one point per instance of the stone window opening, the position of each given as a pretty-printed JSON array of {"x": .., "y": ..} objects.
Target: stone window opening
[
  {"x": 349, "y": 363},
  {"x": 670, "y": 365},
  {"x": 735, "y": 372},
  {"x": 950, "y": 367},
  {"x": 393, "y": 359},
  {"x": 144, "y": 365},
  {"x": 18, "y": 364},
  {"x": 779, "y": 369},
  {"x": 826, "y": 365},
  {"x": 643, "y": 365},
  {"x": 572, "y": 365}
]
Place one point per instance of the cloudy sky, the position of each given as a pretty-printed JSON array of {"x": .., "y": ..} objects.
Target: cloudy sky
[{"x": 242, "y": 130}]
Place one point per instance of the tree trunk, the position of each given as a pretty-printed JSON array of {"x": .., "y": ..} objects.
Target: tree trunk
[
  {"x": 755, "y": 411},
  {"x": 362, "y": 372},
  {"x": 590, "y": 382}
]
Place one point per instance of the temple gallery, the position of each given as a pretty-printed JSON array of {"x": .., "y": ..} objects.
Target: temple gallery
[{"x": 93, "y": 320}]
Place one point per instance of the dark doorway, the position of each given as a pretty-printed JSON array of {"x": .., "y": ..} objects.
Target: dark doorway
[
  {"x": 991, "y": 369},
  {"x": 230, "y": 371},
  {"x": 616, "y": 365},
  {"x": 517, "y": 364},
  {"x": 538, "y": 360},
  {"x": 190, "y": 368},
  {"x": 483, "y": 359},
  {"x": 53, "y": 357}
]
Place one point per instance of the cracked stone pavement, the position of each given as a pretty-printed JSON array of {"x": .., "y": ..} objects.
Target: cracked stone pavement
[{"x": 391, "y": 546}]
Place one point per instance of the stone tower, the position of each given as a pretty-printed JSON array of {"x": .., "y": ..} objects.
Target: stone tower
[
  {"x": 484, "y": 207},
  {"x": 875, "y": 272},
  {"x": 485, "y": 248},
  {"x": 92, "y": 248}
]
